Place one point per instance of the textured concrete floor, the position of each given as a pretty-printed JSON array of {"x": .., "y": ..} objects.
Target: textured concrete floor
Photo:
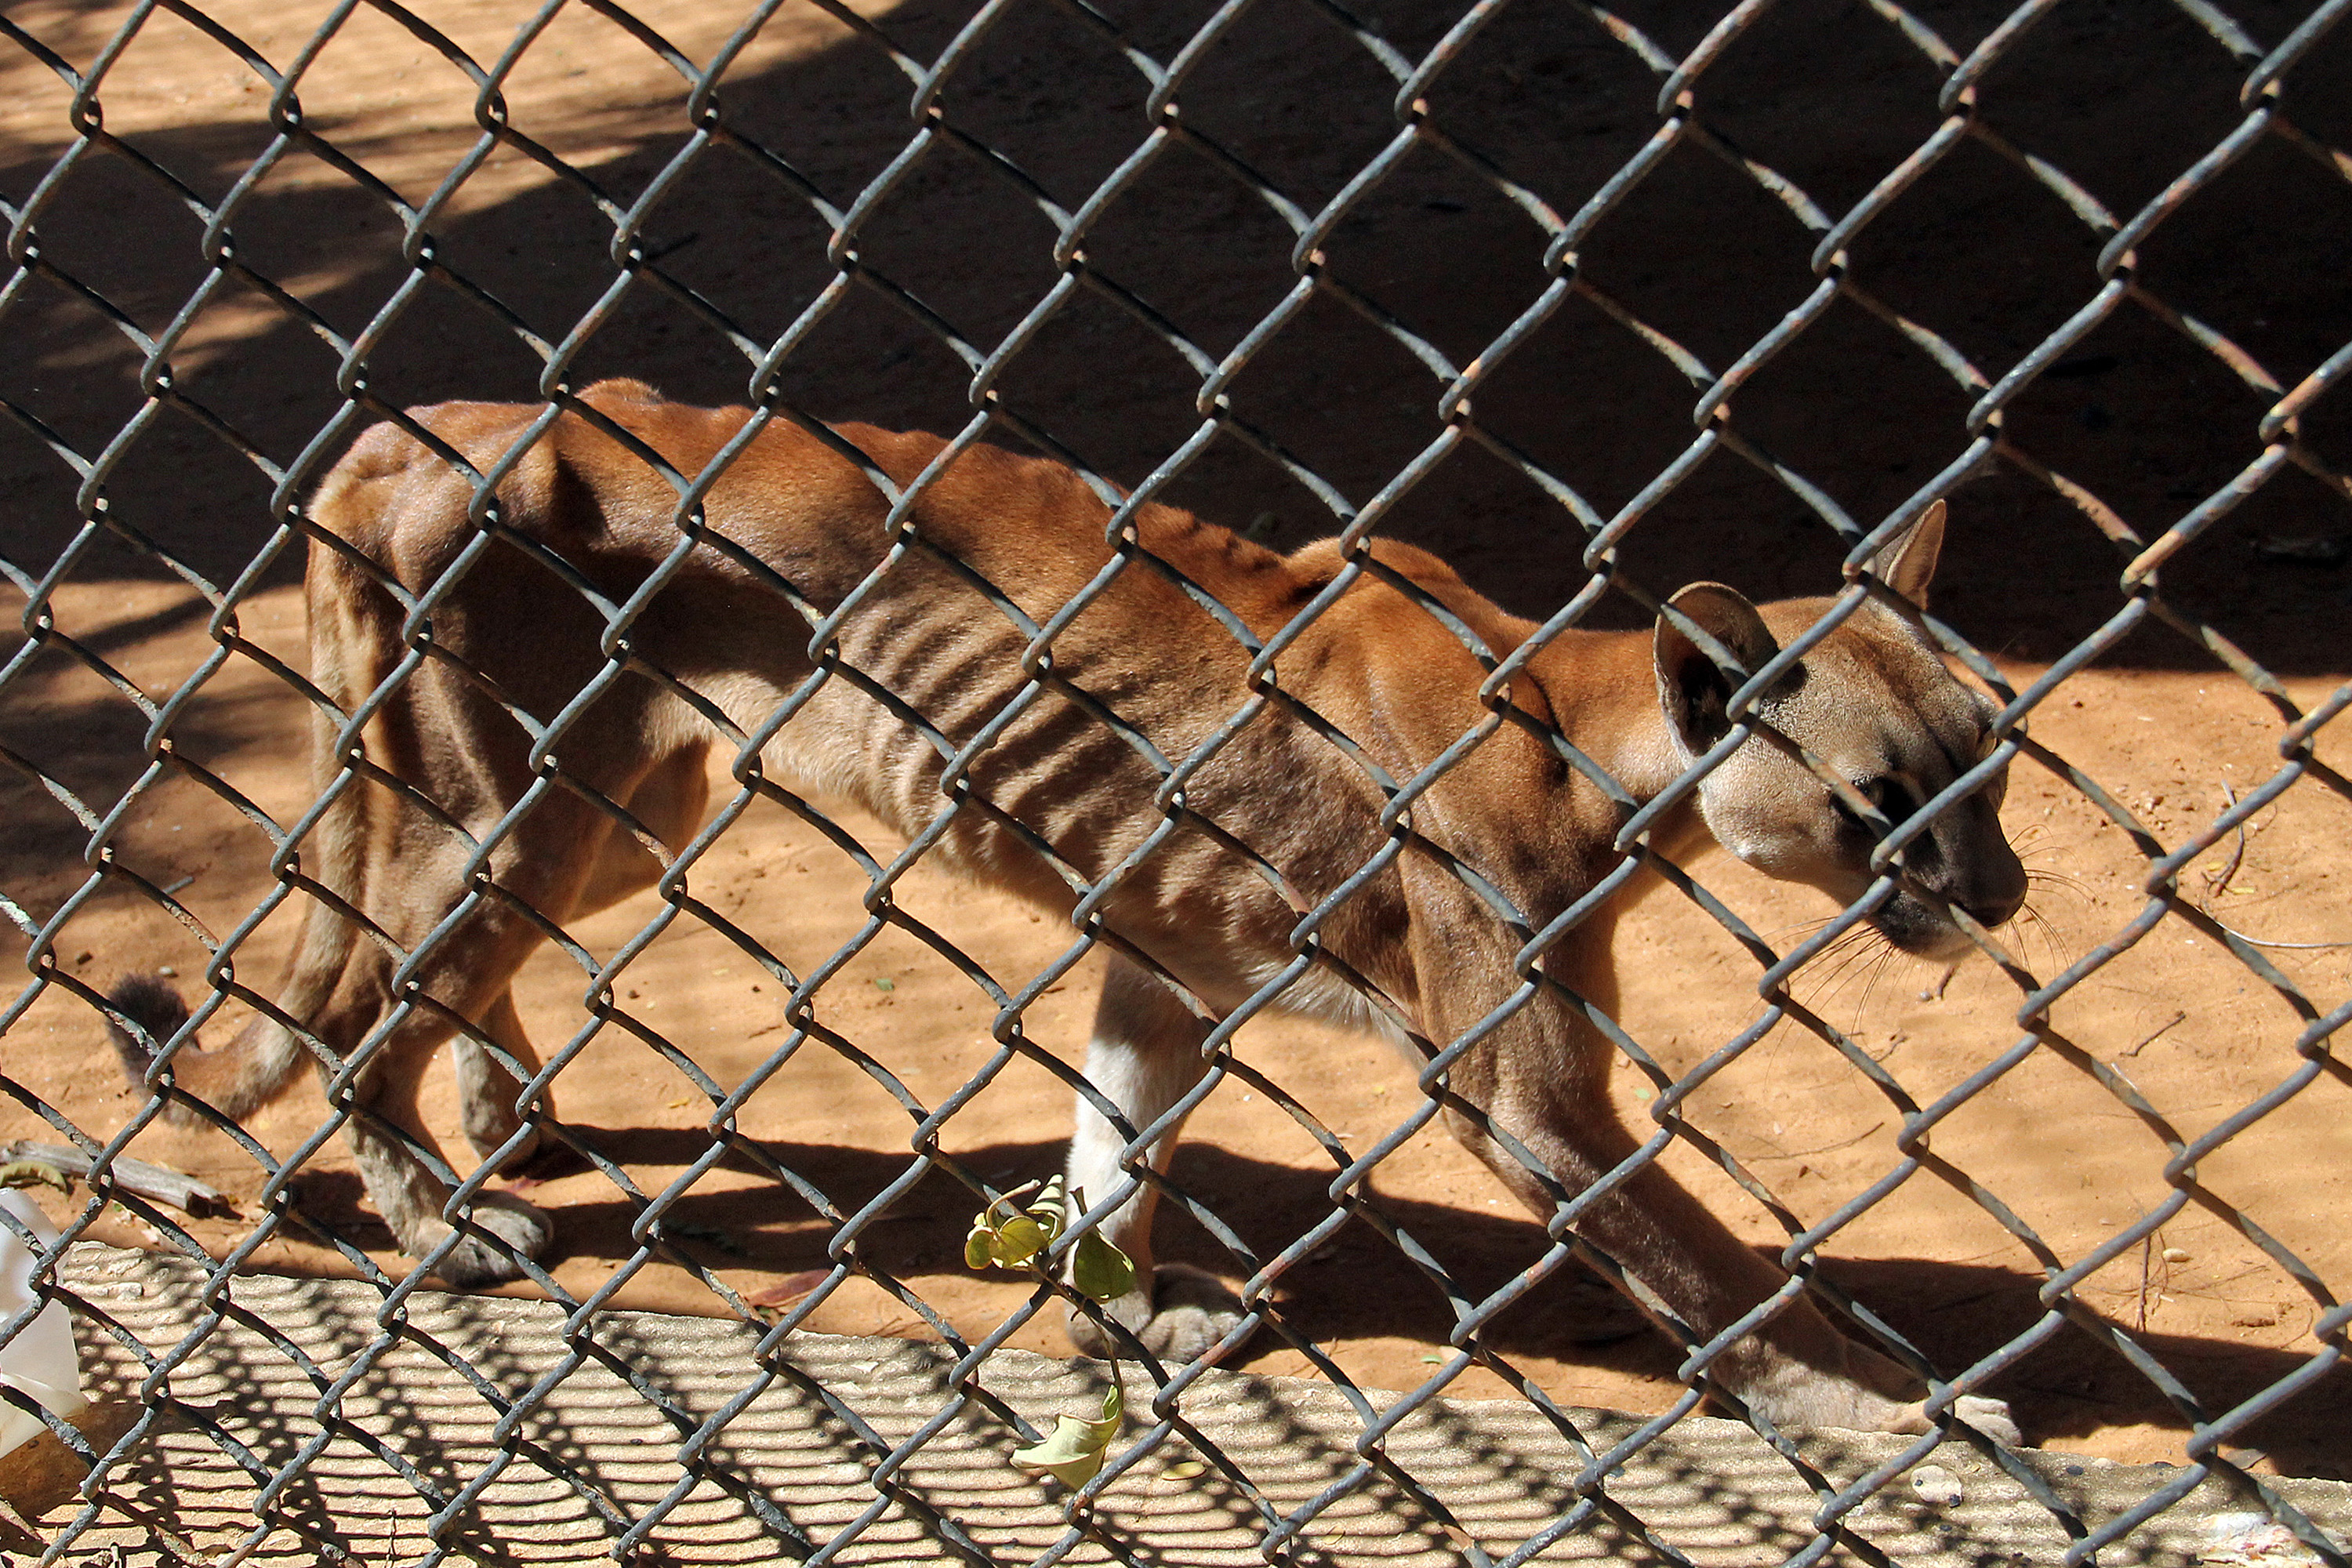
[{"x": 306, "y": 1436}]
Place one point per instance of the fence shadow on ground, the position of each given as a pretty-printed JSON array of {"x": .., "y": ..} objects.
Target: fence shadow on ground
[{"x": 2130, "y": 415}]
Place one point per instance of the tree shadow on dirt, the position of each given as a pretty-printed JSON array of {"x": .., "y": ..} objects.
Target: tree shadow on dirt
[
  {"x": 2136, "y": 413},
  {"x": 88, "y": 741}
]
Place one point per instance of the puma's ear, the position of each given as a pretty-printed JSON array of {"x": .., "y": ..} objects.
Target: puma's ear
[
  {"x": 1907, "y": 561},
  {"x": 1694, "y": 692}
]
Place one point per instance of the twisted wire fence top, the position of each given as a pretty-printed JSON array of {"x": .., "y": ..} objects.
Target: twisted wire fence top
[{"x": 1593, "y": 301}]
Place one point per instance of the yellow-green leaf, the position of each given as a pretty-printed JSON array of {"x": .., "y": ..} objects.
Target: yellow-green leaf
[
  {"x": 1073, "y": 1454},
  {"x": 1007, "y": 1242},
  {"x": 1017, "y": 1241},
  {"x": 30, "y": 1173},
  {"x": 1051, "y": 1209}
]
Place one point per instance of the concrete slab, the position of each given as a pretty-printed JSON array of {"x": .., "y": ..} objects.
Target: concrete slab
[{"x": 487, "y": 1426}]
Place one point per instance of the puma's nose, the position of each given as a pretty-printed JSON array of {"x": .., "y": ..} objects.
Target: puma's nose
[
  {"x": 2000, "y": 894},
  {"x": 1992, "y": 916}
]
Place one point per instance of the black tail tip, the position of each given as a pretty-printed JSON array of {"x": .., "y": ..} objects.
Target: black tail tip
[{"x": 154, "y": 1003}]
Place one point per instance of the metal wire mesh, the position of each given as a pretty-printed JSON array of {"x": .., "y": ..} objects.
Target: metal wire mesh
[{"x": 1262, "y": 259}]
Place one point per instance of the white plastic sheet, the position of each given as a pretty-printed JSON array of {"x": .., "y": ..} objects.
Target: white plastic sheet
[{"x": 40, "y": 1360}]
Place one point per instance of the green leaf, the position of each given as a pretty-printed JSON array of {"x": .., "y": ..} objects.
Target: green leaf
[
  {"x": 1073, "y": 1454},
  {"x": 1099, "y": 1270},
  {"x": 30, "y": 1173}
]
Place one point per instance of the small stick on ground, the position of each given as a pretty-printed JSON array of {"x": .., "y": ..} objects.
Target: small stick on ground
[
  {"x": 157, "y": 1183},
  {"x": 2219, "y": 883},
  {"x": 2146, "y": 1257},
  {"x": 2158, "y": 1033}
]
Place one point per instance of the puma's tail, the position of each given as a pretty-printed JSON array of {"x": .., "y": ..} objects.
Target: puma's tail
[
  {"x": 250, "y": 1072},
  {"x": 350, "y": 655}
]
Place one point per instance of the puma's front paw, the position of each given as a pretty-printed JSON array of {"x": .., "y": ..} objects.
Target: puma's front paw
[
  {"x": 1892, "y": 1392},
  {"x": 476, "y": 1262},
  {"x": 1990, "y": 1416},
  {"x": 1868, "y": 1393},
  {"x": 1185, "y": 1311}
]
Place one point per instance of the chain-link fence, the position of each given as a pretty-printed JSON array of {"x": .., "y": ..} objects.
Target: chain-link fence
[{"x": 795, "y": 786}]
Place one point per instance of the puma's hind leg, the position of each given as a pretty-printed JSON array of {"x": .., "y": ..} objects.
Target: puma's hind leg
[
  {"x": 488, "y": 1089},
  {"x": 386, "y": 1014},
  {"x": 398, "y": 1159},
  {"x": 499, "y": 1231},
  {"x": 1145, "y": 1056},
  {"x": 384, "y": 1035},
  {"x": 668, "y": 802}
]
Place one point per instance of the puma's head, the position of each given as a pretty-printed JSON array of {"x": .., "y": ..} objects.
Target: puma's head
[{"x": 1873, "y": 700}]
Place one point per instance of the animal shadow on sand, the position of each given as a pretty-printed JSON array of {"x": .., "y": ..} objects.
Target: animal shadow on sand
[{"x": 1359, "y": 1285}]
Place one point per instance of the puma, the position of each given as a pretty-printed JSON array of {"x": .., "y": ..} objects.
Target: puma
[{"x": 1272, "y": 821}]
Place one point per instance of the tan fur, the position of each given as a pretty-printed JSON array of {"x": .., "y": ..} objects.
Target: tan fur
[{"x": 1873, "y": 700}]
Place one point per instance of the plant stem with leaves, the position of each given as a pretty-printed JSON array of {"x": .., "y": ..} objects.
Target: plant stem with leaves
[{"x": 1013, "y": 1234}]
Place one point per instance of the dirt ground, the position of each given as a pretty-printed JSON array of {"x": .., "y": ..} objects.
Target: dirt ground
[{"x": 2166, "y": 732}]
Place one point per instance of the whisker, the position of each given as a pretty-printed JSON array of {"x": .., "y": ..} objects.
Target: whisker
[
  {"x": 1834, "y": 959},
  {"x": 2052, "y": 940},
  {"x": 2058, "y": 882},
  {"x": 1886, "y": 956},
  {"x": 1800, "y": 930},
  {"x": 2028, "y": 926},
  {"x": 1819, "y": 988},
  {"x": 2039, "y": 845},
  {"x": 1859, "y": 953}
]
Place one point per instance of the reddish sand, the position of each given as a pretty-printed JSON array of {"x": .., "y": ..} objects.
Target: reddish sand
[
  {"x": 2181, "y": 1020},
  {"x": 2176, "y": 1017}
]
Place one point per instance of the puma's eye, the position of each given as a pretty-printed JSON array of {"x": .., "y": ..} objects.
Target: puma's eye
[
  {"x": 1987, "y": 744},
  {"x": 1894, "y": 801}
]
